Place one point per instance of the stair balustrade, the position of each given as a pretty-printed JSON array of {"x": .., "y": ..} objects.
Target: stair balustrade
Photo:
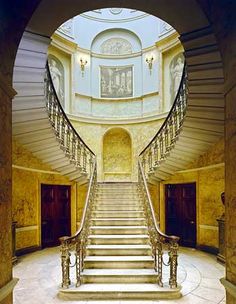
[
  {"x": 160, "y": 241},
  {"x": 164, "y": 141},
  {"x": 76, "y": 244},
  {"x": 150, "y": 158},
  {"x": 71, "y": 143}
]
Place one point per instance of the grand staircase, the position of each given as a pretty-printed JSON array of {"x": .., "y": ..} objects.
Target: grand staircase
[
  {"x": 119, "y": 250},
  {"x": 118, "y": 262}
]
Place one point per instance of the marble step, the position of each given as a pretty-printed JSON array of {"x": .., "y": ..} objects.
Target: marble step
[
  {"x": 117, "y": 197},
  {"x": 145, "y": 291},
  {"x": 118, "y": 262},
  {"x": 117, "y": 190},
  {"x": 130, "y": 239},
  {"x": 117, "y": 208},
  {"x": 118, "y": 250},
  {"x": 119, "y": 276},
  {"x": 118, "y": 230},
  {"x": 115, "y": 214},
  {"x": 117, "y": 203},
  {"x": 118, "y": 221}
]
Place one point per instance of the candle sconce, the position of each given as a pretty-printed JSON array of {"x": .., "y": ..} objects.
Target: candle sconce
[
  {"x": 150, "y": 62},
  {"x": 82, "y": 65}
]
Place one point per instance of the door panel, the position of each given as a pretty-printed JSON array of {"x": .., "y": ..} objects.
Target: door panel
[
  {"x": 55, "y": 213},
  {"x": 181, "y": 212}
]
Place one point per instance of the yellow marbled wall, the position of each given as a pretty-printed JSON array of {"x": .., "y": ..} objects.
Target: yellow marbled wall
[
  {"x": 140, "y": 133},
  {"x": 117, "y": 155},
  {"x": 81, "y": 193},
  {"x": 209, "y": 175},
  {"x": 28, "y": 174},
  {"x": 154, "y": 190}
]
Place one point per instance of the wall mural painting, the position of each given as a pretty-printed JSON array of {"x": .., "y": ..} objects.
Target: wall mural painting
[
  {"x": 116, "y": 46},
  {"x": 176, "y": 70},
  {"x": 57, "y": 73},
  {"x": 116, "y": 82}
]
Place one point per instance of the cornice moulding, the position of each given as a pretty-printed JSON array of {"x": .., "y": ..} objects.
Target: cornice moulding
[
  {"x": 112, "y": 100},
  {"x": 116, "y": 121},
  {"x": 63, "y": 44}
]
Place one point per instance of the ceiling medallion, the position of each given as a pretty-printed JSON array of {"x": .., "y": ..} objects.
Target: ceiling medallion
[{"x": 116, "y": 10}]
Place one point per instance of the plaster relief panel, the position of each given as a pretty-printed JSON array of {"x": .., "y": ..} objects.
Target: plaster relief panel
[
  {"x": 58, "y": 77},
  {"x": 116, "y": 46},
  {"x": 67, "y": 28},
  {"x": 176, "y": 71},
  {"x": 116, "y": 82}
]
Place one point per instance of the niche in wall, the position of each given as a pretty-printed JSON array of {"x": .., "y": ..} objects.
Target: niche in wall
[
  {"x": 117, "y": 155},
  {"x": 58, "y": 77}
]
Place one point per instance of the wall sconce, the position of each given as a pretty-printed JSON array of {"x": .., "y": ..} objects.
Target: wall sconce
[
  {"x": 82, "y": 65},
  {"x": 149, "y": 62}
]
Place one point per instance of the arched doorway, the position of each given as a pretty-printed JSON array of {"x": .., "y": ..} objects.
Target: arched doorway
[{"x": 117, "y": 155}]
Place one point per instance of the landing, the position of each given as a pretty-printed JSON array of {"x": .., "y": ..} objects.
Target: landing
[{"x": 40, "y": 277}]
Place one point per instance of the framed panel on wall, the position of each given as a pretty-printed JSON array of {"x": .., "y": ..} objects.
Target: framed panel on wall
[{"x": 116, "y": 82}]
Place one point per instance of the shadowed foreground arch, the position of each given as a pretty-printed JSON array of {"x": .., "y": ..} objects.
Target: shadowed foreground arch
[{"x": 186, "y": 16}]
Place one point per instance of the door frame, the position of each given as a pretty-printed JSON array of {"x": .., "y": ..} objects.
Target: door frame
[
  {"x": 163, "y": 203},
  {"x": 73, "y": 196}
]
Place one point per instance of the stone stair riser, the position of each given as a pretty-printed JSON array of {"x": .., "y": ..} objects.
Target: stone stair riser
[
  {"x": 125, "y": 222},
  {"x": 121, "y": 241},
  {"x": 119, "y": 264},
  {"x": 115, "y": 231},
  {"x": 128, "y": 279},
  {"x": 115, "y": 252}
]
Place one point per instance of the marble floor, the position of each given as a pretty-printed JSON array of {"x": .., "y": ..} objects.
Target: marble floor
[{"x": 39, "y": 279}]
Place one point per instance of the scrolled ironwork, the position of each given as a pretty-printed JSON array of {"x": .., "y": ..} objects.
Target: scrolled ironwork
[
  {"x": 76, "y": 245},
  {"x": 71, "y": 143},
  {"x": 160, "y": 242},
  {"x": 163, "y": 142}
]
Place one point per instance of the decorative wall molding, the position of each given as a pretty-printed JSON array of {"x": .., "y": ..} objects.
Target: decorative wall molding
[
  {"x": 122, "y": 20},
  {"x": 116, "y": 121},
  {"x": 202, "y": 168},
  {"x": 35, "y": 170},
  {"x": 27, "y": 250},
  {"x": 67, "y": 28},
  {"x": 27, "y": 228},
  {"x": 115, "y": 56},
  {"x": 63, "y": 44},
  {"x": 7, "y": 289},
  {"x": 139, "y": 98},
  {"x": 209, "y": 227},
  {"x": 116, "y": 46},
  {"x": 230, "y": 287}
]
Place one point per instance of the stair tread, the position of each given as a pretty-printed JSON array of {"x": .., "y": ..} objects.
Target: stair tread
[
  {"x": 117, "y": 246},
  {"x": 118, "y": 227},
  {"x": 118, "y": 219},
  {"x": 112, "y": 211},
  {"x": 119, "y": 258},
  {"x": 128, "y": 272},
  {"x": 119, "y": 236},
  {"x": 137, "y": 288}
]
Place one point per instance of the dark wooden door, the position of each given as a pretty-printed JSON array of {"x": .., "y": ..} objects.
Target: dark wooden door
[
  {"x": 181, "y": 212},
  {"x": 55, "y": 213}
]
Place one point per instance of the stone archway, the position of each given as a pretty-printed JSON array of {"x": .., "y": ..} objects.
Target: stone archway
[{"x": 117, "y": 155}]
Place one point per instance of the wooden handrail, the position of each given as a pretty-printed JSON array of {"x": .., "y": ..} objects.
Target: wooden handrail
[
  {"x": 167, "y": 237},
  {"x": 62, "y": 110},
  {"x": 170, "y": 113},
  {"x": 76, "y": 235}
]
